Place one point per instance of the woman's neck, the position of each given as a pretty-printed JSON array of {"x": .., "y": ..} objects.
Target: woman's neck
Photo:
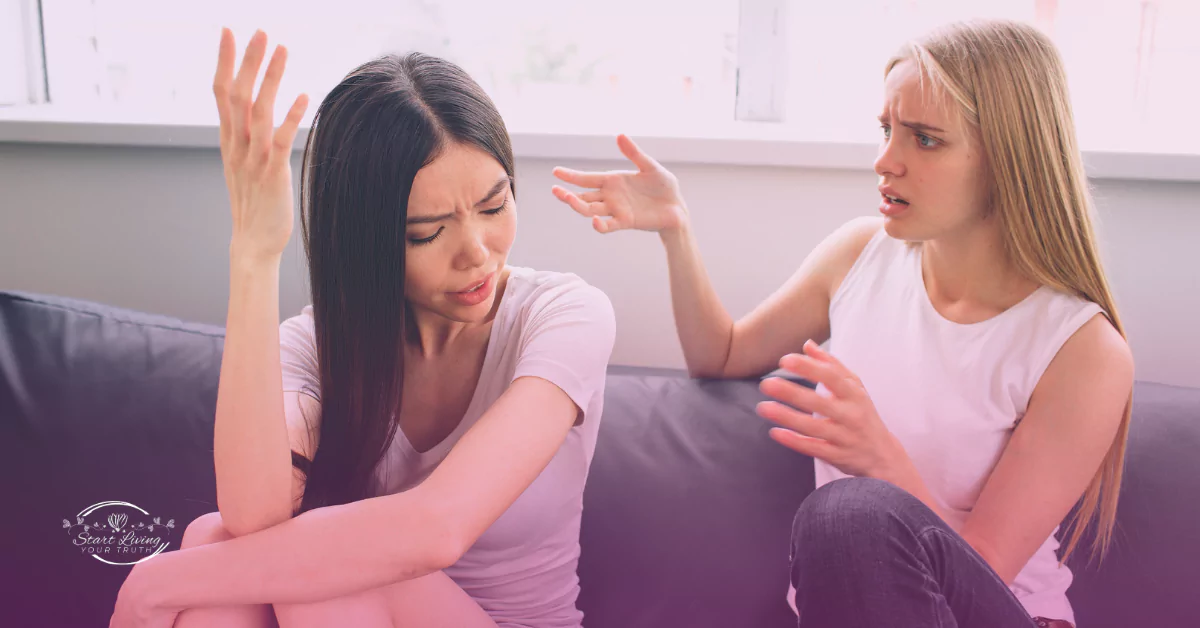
[
  {"x": 971, "y": 273},
  {"x": 431, "y": 335}
]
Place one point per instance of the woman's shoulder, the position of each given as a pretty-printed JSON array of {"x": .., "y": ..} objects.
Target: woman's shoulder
[
  {"x": 1067, "y": 329},
  {"x": 842, "y": 249},
  {"x": 557, "y": 314},
  {"x": 538, "y": 299},
  {"x": 1050, "y": 310},
  {"x": 848, "y": 241},
  {"x": 530, "y": 288},
  {"x": 538, "y": 277},
  {"x": 298, "y": 329}
]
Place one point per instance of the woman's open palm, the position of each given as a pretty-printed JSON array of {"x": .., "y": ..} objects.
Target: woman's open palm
[
  {"x": 647, "y": 199},
  {"x": 256, "y": 155}
]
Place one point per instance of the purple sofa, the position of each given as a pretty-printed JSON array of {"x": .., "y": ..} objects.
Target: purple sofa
[{"x": 687, "y": 510}]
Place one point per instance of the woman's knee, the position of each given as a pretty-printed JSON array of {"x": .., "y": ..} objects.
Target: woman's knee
[
  {"x": 205, "y": 529},
  {"x": 368, "y": 609},
  {"x": 845, "y": 507}
]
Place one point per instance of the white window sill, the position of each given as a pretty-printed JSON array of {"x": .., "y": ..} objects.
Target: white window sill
[{"x": 738, "y": 144}]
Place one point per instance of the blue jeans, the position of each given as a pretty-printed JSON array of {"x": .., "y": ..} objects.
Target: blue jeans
[{"x": 867, "y": 554}]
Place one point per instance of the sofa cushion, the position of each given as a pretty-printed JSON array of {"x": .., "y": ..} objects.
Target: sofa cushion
[
  {"x": 1152, "y": 571},
  {"x": 97, "y": 404},
  {"x": 688, "y": 507}
]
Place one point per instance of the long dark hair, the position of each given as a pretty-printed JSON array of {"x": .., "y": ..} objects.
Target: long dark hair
[{"x": 386, "y": 120}]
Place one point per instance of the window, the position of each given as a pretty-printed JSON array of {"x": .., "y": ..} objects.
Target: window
[
  {"x": 1131, "y": 64},
  {"x": 809, "y": 69},
  {"x": 548, "y": 64},
  {"x": 21, "y": 67}
]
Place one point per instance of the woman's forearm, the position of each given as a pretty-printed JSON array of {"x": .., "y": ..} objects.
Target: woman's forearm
[
  {"x": 906, "y": 477},
  {"x": 704, "y": 326},
  {"x": 250, "y": 443},
  {"x": 318, "y": 555}
]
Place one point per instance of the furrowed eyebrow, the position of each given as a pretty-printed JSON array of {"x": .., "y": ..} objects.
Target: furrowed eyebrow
[
  {"x": 494, "y": 191},
  {"x": 421, "y": 220},
  {"x": 919, "y": 127}
]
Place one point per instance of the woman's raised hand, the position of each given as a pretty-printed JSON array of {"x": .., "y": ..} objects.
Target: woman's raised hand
[
  {"x": 647, "y": 199},
  {"x": 256, "y": 155}
]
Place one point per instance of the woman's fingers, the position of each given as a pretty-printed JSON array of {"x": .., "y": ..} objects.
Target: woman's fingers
[
  {"x": 582, "y": 207},
  {"x": 820, "y": 372},
  {"x": 285, "y": 135},
  {"x": 223, "y": 82},
  {"x": 631, "y": 151},
  {"x": 811, "y": 447},
  {"x": 595, "y": 179},
  {"x": 246, "y": 120},
  {"x": 799, "y": 396},
  {"x": 243, "y": 86},
  {"x": 608, "y": 224},
  {"x": 590, "y": 204},
  {"x": 796, "y": 421},
  {"x": 261, "y": 122},
  {"x": 580, "y": 178},
  {"x": 813, "y": 349}
]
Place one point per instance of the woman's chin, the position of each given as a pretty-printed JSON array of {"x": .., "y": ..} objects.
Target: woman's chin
[
  {"x": 463, "y": 313},
  {"x": 897, "y": 228}
]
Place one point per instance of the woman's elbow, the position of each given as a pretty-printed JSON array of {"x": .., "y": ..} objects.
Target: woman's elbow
[
  {"x": 705, "y": 371},
  {"x": 436, "y": 538},
  {"x": 243, "y": 525},
  {"x": 443, "y": 553},
  {"x": 239, "y": 526}
]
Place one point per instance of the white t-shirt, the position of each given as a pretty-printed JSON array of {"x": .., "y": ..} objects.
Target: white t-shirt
[
  {"x": 522, "y": 570},
  {"x": 951, "y": 393}
]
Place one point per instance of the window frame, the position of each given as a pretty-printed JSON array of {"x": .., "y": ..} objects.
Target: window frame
[{"x": 759, "y": 134}]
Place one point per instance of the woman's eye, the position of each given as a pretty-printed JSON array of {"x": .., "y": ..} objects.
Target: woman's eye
[
  {"x": 496, "y": 210},
  {"x": 926, "y": 141},
  {"x": 419, "y": 241},
  {"x": 887, "y": 131}
]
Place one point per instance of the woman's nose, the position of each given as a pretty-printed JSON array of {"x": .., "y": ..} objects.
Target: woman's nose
[
  {"x": 888, "y": 162},
  {"x": 475, "y": 251}
]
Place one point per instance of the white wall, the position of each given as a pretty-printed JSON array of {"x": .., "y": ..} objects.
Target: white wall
[{"x": 148, "y": 228}]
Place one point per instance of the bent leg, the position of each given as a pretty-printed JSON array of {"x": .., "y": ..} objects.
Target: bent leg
[
  {"x": 866, "y": 553},
  {"x": 432, "y": 601},
  {"x": 204, "y": 530},
  {"x": 367, "y": 609}
]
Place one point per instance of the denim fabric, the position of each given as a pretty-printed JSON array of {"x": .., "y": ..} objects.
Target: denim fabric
[{"x": 866, "y": 554}]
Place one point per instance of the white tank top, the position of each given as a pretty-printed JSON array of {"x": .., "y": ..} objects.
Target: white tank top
[{"x": 951, "y": 393}]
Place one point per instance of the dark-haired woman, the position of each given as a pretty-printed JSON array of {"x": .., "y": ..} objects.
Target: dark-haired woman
[{"x": 411, "y": 449}]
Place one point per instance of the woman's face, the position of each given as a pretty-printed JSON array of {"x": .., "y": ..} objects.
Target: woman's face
[
  {"x": 930, "y": 161},
  {"x": 461, "y": 224}
]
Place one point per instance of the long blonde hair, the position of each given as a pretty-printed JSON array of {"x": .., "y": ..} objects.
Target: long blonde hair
[{"x": 1007, "y": 79}]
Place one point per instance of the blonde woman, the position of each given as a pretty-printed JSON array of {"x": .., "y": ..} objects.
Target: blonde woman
[{"x": 977, "y": 383}]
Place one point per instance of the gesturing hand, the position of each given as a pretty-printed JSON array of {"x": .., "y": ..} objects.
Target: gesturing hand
[
  {"x": 848, "y": 434},
  {"x": 647, "y": 199},
  {"x": 256, "y": 155}
]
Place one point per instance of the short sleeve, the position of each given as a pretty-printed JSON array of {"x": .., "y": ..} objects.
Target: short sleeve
[
  {"x": 298, "y": 354},
  {"x": 567, "y": 340}
]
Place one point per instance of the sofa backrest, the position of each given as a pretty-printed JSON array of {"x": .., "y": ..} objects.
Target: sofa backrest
[
  {"x": 97, "y": 404},
  {"x": 688, "y": 510},
  {"x": 688, "y": 505}
]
